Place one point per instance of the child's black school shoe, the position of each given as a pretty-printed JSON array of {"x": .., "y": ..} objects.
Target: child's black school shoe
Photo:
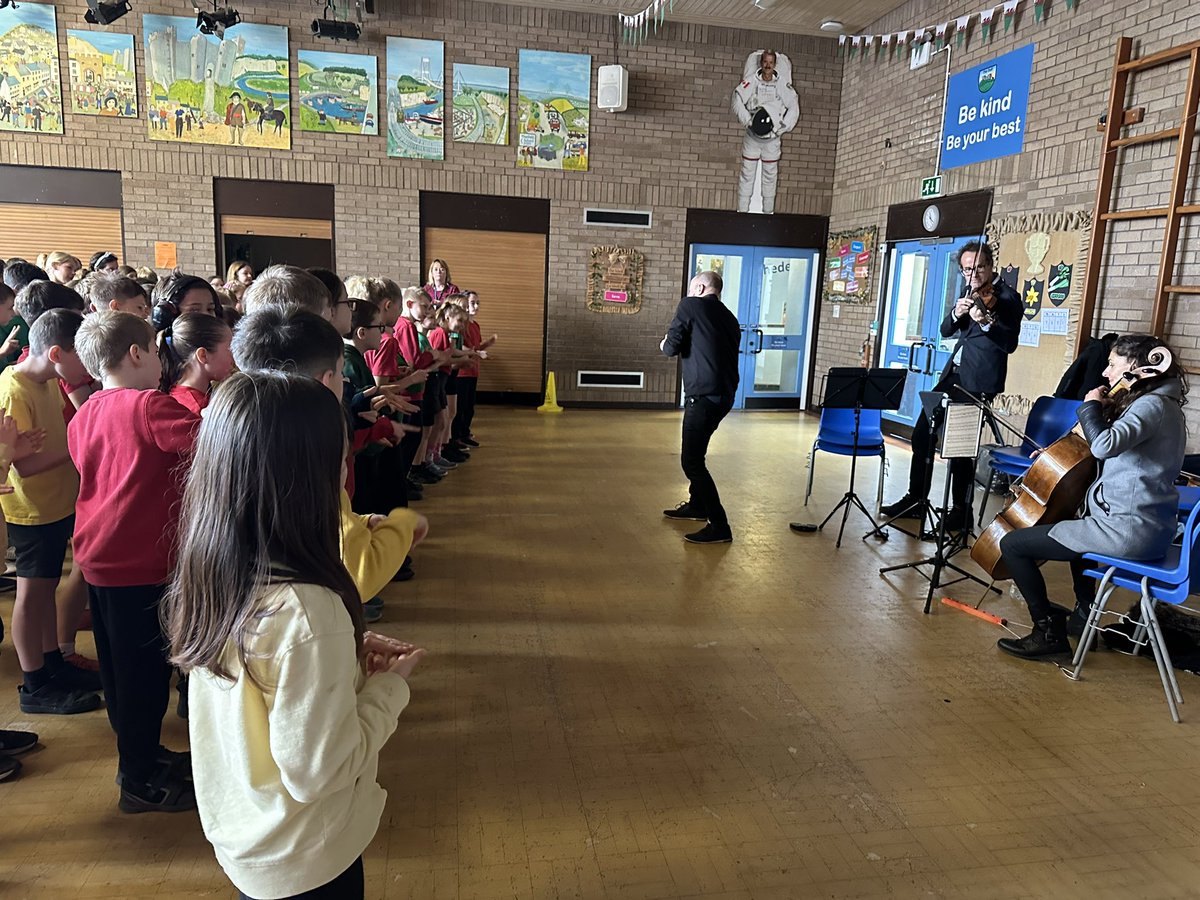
[
  {"x": 710, "y": 534},
  {"x": 425, "y": 474},
  {"x": 9, "y": 768},
  {"x": 77, "y": 679},
  {"x": 373, "y": 610},
  {"x": 454, "y": 454},
  {"x": 685, "y": 511},
  {"x": 470, "y": 442},
  {"x": 54, "y": 700},
  {"x": 165, "y": 792},
  {"x": 14, "y": 743},
  {"x": 406, "y": 573}
]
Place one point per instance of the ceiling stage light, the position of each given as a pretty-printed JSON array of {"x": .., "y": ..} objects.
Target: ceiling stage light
[{"x": 102, "y": 13}]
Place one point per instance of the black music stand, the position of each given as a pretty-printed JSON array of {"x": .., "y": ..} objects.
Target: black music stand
[
  {"x": 940, "y": 560},
  {"x": 858, "y": 389}
]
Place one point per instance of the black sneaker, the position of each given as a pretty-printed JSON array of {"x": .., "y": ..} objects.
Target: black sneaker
[
  {"x": 76, "y": 679},
  {"x": 710, "y": 534},
  {"x": 406, "y": 573},
  {"x": 905, "y": 507},
  {"x": 14, "y": 743},
  {"x": 55, "y": 700},
  {"x": 685, "y": 511},
  {"x": 470, "y": 442},
  {"x": 166, "y": 792},
  {"x": 454, "y": 455},
  {"x": 421, "y": 475}
]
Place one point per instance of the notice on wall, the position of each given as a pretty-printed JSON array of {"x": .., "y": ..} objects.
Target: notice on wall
[
  {"x": 985, "y": 110},
  {"x": 165, "y": 256},
  {"x": 1031, "y": 334},
  {"x": 1054, "y": 321}
]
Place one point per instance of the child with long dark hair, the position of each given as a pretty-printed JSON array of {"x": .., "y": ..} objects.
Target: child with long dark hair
[
  {"x": 1138, "y": 435},
  {"x": 194, "y": 350},
  {"x": 290, "y": 701}
]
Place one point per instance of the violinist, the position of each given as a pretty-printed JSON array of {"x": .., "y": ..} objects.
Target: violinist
[
  {"x": 987, "y": 321},
  {"x": 1137, "y": 436}
]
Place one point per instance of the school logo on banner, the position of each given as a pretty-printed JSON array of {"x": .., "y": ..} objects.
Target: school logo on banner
[
  {"x": 1011, "y": 275},
  {"x": 1060, "y": 283},
  {"x": 1031, "y": 296},
  {"x": 987, "y": 78}
]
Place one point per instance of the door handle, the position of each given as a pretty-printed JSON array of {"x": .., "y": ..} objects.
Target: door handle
[
  {"x": 930, "y": 356},
  {"x": 759, "y": 349},
  {"x": 912, "y": 356}
]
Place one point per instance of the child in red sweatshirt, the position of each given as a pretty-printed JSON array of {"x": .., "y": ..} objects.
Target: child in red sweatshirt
[{"x": 131, "y": 444}]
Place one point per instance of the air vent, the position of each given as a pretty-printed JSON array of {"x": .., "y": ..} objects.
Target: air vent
[
  {"x": 618, "y": 218},
  {"x": 626, "y": 381}
]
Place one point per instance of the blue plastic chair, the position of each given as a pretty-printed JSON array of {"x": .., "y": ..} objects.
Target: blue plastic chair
[
  {"x": 836, "y": 435},
  {"x": 1049, "y": 419},
  {"x": 1168, "y": 580},
  {"x": 1188, "y": 498}
]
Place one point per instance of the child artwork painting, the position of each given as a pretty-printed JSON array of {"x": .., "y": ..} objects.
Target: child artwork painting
[
  {"x": 415, "y": 90},
  {"x": 554, "y": 92},
  {"x": 339, "y": 92},
  {"x": 101, "y": 67},
  {"x": 201, "y": 89},
  {"x": 30, "y": 95}
]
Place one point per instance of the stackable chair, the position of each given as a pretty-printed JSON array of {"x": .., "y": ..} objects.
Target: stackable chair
[
  {"x": 1049, "y": 419},
  {"x": 836, "y": 435},
  {"x": 1168, "y": 580}
]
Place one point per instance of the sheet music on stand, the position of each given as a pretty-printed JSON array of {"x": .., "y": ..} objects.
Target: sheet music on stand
[{"x": 961, "y": 428}]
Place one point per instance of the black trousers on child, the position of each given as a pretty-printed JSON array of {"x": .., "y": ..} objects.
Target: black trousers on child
[
  {"x": 460, "y": 428},
  {"x": 701, "y": 416},
  {"x": 350, "y": 885},
  {"x": 134, "y": 671},
  {"x": 1024, "y": 549}
]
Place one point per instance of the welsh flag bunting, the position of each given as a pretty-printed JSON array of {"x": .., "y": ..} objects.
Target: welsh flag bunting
[
  {"x": 1010, "y": 12},
  {"x": 901, "y": 40},
  {"x": 1070, "y": 4},
  {"x": 940, "y": 32},
  {"x": 960, "y": 29},
  {"x": 1039, "y": 10},
  {"x": 841, "y": 45},
  {"x": 886, "y": 44},
  {"x": 985, "y": 20},
  {"x": 855, "y": 42}
]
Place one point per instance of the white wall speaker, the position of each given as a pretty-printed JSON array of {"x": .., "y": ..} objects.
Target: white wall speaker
[{"x": 612, "y": 88}]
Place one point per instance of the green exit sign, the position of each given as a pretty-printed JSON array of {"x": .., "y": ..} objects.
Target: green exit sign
[{"x": 931, "y": 187}]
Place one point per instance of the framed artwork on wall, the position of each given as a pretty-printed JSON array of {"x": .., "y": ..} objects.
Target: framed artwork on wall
[
  {"x": 339, "y": 92},
  {"x": 202, "y": 89},
  {"x": 480, "y": 104},
  {"x": 554, "y": 98},
  {"x": 102, "y": 78},
  {"x": 30, "y": 95},
  {"x": 416, "y": 72}
]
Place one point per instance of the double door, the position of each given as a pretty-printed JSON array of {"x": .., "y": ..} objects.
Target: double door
[
  {"x": 771, "y": 291},
  {"x": 923, "y": 283}
]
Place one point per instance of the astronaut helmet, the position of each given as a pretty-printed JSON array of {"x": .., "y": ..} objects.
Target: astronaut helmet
[{"x": 761, "y": 124}]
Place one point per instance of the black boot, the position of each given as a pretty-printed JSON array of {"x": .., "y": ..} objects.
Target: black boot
[{"x": 1048, "y": 638}]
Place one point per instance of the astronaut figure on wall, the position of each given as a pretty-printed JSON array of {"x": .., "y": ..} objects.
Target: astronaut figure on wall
[{"x": 767, "y": 106}]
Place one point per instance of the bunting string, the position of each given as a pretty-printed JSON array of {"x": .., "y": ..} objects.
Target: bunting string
[{"x": 637, "y": 27}]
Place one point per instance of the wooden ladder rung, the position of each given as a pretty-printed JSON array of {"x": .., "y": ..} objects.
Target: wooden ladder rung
[
  {"x": 1156, "y": 213},
  {"x": 1183, "y": 289},
  {"x": 1159, "y": 59},
  {"x": 1149, "y": 138},
  {"x": 1192, "y": 210}
]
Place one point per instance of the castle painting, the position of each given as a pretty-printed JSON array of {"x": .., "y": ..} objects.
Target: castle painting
[
  {"x": 30, "y": 96},
  {"x": 201, "y": 89}
]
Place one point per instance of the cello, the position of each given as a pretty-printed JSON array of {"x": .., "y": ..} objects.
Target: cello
[{"x": 1054, "y": 487}]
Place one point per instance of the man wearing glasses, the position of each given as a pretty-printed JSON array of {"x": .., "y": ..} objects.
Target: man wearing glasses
[{"x": 979, "y": 365}]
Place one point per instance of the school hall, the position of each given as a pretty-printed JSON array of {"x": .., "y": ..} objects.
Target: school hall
[{"x": 692, "y": 369}]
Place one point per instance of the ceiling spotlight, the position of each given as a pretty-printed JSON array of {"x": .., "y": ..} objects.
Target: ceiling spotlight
[
  {"x": 217, "y": 21},
  {"x": 832, "y": 25},
  {"x": 764, "y": 5},
  {"x": 335, "y": 30},
  {"x": 105, "y": 13}
]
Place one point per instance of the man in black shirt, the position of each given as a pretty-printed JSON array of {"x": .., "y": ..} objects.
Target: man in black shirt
[{"x": 706, "y": 336}]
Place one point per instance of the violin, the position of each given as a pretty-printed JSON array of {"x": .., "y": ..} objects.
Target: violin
[
  {"x": 984, "y": 300},
  {"x": 1054, "y": 487}
]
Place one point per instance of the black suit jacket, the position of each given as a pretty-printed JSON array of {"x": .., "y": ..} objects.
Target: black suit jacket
[{"x": 984, "y": 365}]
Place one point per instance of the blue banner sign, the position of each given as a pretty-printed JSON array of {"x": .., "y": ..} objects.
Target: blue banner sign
[{"x": 985, "y": 110}]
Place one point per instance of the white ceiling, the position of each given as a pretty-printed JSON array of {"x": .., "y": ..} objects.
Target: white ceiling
[{"x": 787, "y": 16}]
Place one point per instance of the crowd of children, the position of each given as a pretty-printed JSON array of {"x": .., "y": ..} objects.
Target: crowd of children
[{"x": 231, "y": 468}]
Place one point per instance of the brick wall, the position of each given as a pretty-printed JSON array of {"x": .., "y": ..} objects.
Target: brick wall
[
  {"x": 676, "y": 147},
  {"x": 1058, "y": 168}
]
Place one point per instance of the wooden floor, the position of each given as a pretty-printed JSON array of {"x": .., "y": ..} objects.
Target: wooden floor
[{"x": 608, "y": 712}]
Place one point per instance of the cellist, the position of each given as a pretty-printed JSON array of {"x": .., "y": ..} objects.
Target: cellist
[{"x": 1137, "y": 436}]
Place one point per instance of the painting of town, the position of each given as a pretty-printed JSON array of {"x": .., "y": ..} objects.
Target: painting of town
[
  {"x": 338, "y": 92},
  {"x": 480, "y": 104},
  {"x": 554, "y": 96},
  {"x": 415, "y": 82},
  {"x": 202, "y": 89},
  {"x": 101, "y": 73},
  {"x": 30, "y": 96}
]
